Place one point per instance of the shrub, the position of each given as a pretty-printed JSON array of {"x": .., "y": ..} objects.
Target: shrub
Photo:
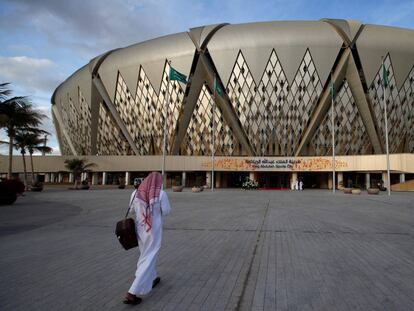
[
  {"x": 9, "y": 189},
  {"x": 14, "y": 185},
  {"x": 250, "y": 184}
]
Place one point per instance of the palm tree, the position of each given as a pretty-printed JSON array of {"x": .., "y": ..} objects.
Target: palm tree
[
  {"x": 29, "y": 140},
  {"x": 77, "y": 166},
  {"x": 21, "y": 144},
  {"x": 36, "y": 143},
  {"x": 16, "y": 113}
]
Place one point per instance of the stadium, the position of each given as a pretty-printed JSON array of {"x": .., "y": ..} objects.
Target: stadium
[{"x": 273, "y": 122}]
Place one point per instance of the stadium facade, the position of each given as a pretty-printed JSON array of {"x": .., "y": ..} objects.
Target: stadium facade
[{"x": 276, "y": 109}]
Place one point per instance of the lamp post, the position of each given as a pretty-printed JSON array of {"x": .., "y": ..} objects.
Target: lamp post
[
  {"x": 384, "y": 89},
  {"x": 164, "y": 177}
]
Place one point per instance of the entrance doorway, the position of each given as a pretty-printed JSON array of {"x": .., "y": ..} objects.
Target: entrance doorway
[
  {"x": 274, "y": 180},
  {"x": 236, "y": 179},
  {"x": 314, "y": 180}
]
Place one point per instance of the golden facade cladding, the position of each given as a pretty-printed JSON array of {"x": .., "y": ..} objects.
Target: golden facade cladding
[
  {"x": 111, "y": 141},
  {"x": 198, "y": 140},
  {"x": 145, "y": 113},
  {"x": 274, "y": 113},
  {"x": 350, "y": 133},
  {"x": 76, "y": 115},
  {"x": 399, "y": 108}
]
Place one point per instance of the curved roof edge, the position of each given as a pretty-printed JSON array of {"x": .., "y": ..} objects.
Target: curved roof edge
[{"x": 347, "y": 29}]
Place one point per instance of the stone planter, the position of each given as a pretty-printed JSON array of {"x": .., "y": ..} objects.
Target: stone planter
[
  {"x": 37, "y": 187},
  {"x": 356, "y": 191},
  {"x": 177, "y": 188},
  {"x": 196, "y": 189},
  {"x": 373, "y": 191},
  {"x": 347, "y": 190}
]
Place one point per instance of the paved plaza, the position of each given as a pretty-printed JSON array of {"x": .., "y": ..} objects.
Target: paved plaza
[{"x": 227, "y": 250}]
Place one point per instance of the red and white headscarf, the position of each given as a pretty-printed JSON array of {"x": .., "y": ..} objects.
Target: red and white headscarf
[{"x": 148, "y": 193}]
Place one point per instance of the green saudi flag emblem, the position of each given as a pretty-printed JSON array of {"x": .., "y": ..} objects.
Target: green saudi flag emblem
[
  {"x": 177, "y": 76},
  {"x": 218, "y": 88},
  {"x": 332, "y": 89},
  {"x": 385, "y": 80}
]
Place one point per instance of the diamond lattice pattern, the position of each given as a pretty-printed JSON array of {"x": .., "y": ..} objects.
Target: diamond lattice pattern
[
  {"x": 198, "y": 139},
  {"x": 399, "y": 108},
  {"x": 76, "y": 115},
  {"x": 144, "y": 113},
  {"x": 351, "y": 137},
  {"x": 111, "y": 141},
  {"x": 273, "y": 113}
]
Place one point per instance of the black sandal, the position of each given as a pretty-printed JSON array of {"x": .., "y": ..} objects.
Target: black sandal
[
  {"x": 156, "y": 281},
  {"x": 132, "y": 300}
]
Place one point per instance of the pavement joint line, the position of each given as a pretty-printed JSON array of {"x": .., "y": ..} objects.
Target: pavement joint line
[
  {"x": 252, "y": 230},
  {"x": 247, "y": 277}
]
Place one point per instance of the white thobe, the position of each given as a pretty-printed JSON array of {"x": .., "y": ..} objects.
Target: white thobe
[{"x": 149, "y": 242}]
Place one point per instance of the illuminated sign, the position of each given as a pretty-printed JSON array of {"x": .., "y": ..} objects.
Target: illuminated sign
[{"x": 274, "y": 164}]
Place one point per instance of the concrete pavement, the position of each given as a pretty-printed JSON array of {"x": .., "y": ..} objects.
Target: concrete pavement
[{"x": 227, "y": 250}]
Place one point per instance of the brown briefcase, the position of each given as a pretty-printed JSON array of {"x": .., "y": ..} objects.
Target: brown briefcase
[{"x": 125, "y": 231}]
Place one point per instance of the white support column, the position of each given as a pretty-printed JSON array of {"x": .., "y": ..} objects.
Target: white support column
[
  {"x": 385, "y": 179},
  {"x": 60, "y": 178},
  {"x": 95, "y": 178},
  {"x": 293, "y": 179},
  {"x": 47, "y": 177},
  {"x": 402, "y": 177},
  {"x": 71, "y": 178},
  {"x": 252, "y": 176},
  {"x": 103, "y": 178},
  {"x": 208, "y": 179},
  {"x": 127, "y": 174},
  {"x": 52, "y": 177},
  {"x": 367, "y": 180},
  {"x": 340, "y": 180},
  {"x": 183, "y": 178}
]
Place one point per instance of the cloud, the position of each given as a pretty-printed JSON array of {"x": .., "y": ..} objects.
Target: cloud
[
  {"x": 95, "y": 26},
  {"x": 32, "y": 74},
  {"x": 47, "y": 125}
]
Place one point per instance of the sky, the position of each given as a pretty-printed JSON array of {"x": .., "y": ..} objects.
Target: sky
[{"x": 42, "y": 42}]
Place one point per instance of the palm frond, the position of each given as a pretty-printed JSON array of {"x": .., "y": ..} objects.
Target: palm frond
[
  {"x": 17, "y": 100},
  {"x": 4, "y": 90}
]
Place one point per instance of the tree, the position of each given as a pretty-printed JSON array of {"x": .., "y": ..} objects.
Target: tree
[
  {"x": 77, "y": 166},
  {"x": 16, "y": 113},
  {"x": 36, "y": 143},
  {"x": 21, "y": 144}
]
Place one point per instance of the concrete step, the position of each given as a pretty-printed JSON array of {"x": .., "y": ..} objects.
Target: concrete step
[{"x": 405, "y": 186}]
